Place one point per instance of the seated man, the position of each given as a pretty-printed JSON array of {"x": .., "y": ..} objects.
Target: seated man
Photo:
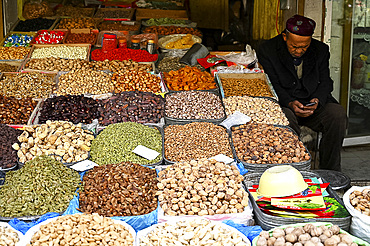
[{"x": 298, "y": 67}]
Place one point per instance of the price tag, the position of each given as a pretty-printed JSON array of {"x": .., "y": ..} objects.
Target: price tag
[
  {"x": 222, "y": 158},
  {"x": 84, "y": 165},
  {"x": 145, "y": 152}
]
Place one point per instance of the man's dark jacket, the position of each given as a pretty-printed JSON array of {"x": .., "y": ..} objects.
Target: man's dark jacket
[{"x": 278, "y": 64}]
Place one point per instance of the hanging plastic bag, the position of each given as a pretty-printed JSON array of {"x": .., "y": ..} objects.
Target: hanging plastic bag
[
  {"x": 247, "y": 58},
  {"x": 36, "y": 8},
  {"x": 360, "y": 226}
]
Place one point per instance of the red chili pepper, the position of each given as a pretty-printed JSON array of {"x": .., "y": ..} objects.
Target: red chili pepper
[{"x": 123, "y": 54}]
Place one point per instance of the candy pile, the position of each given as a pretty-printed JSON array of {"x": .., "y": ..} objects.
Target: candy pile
[
  {"x": 49, "y": 37},
  {"x": 17, "y": 40}
]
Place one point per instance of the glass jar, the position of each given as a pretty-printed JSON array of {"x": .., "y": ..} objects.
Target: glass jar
[
  {"x": 122, "y": 42},
  {"x": 109, "y": 42},
  {"x": 135, "y": 43},
  {"x": 150, "y": 47}
]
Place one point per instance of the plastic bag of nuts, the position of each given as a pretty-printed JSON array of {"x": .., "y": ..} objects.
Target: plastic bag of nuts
[
  {"x": 133, "y": 189},
  {"x": 267, "y": 144},
  {"x": 356, "y": 201},
  {"x": 261, "y": 110},
  {"x": 88, "y": 229},
  {"x": 203, "y": 187},
  {"x": 194, "y": 141},
  {"x": 42, "y": 185}
]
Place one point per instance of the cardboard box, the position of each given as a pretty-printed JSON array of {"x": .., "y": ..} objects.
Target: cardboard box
[
  {"x": 161, "y": 13},
  {"x": 123, "y": 13},
  {"x": 62, "y": 30},
  {"x": 13, "y": 63},
  {"x": 15, "y": 32},
  {"x": 84, "y": 31},
  {"x": 51, "y": 75},
  {"x": 38, "y": 46}
]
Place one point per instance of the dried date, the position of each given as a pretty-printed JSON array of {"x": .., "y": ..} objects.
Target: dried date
[
  {"x": 135, "y": 106},
  {"x": 76, "y": 109},
  {"x": 8, "y": 136}
]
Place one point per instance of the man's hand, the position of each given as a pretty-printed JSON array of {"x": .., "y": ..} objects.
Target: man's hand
[{"x": 303, "y": 111}]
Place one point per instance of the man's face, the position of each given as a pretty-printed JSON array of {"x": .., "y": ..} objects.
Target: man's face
[{"x": 297, "y": 45}]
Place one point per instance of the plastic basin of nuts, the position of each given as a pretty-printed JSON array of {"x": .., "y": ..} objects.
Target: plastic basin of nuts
[
  {"x": 323, "y": 233},
  {"x": 195, "y": 231},
  {"x": 48, "y": 230},
  {"x": 8, "y": 235}
]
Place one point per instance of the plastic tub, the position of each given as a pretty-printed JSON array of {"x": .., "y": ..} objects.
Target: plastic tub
[{"x": 268, "y": 222}]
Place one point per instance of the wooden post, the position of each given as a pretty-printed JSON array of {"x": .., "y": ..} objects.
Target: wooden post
[{"x": 1, "y": 21}]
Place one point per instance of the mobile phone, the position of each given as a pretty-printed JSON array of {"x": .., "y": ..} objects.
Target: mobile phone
[{"x": 310, "y": 104}]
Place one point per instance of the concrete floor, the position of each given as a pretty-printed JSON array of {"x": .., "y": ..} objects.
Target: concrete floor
[{"x": 356, "y": 163}]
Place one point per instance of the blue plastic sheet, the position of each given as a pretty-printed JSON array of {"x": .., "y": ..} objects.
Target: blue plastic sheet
[
  {"x": 138, "y": 222},
  {"x": 241, "y": 168},
  {"x": 249, "y": 231},
  {"x": 24, "y": 227}
]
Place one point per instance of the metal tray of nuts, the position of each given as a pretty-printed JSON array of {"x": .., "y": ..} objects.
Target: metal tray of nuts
[
  {"x": 171, "y": 120},
  {"x": 262, "y": 76},
  {"x": 267, "y": 221},
  {"x": 151, "y": 125},
  {"x": 274, "y": 100},
  {"x": 169, "y": 162},
  {"x": 58, "y": 157},
  {"x": 216, "y": 90},
  {"x": 9, "y": 169},
  {"x": 301, "y": 166}
]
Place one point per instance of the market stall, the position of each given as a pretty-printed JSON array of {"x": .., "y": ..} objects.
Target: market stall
[{"x": 113, "y": 121}]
